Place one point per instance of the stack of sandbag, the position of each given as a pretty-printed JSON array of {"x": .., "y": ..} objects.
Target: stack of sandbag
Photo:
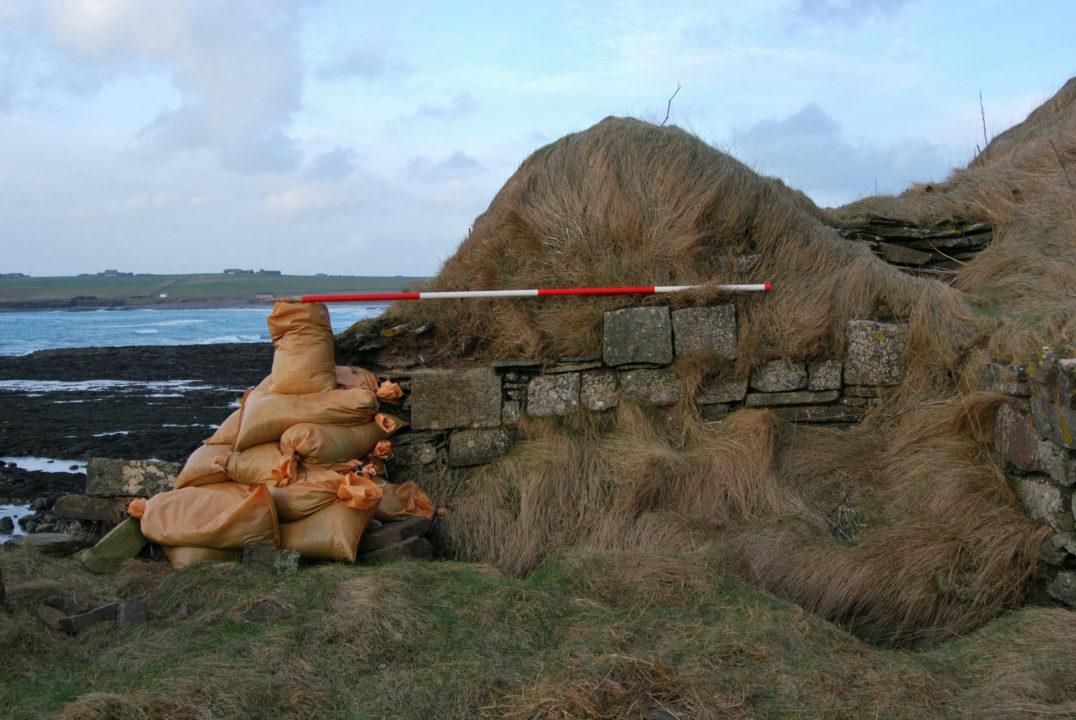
[{"x": 300, "y": 464}]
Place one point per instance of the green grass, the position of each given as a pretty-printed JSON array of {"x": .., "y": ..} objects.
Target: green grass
[
  {"x": 587, "y": 635},
  {"x": 208, "y": 287}
]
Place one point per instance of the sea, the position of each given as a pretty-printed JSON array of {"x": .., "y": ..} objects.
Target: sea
[{"x": 26, "y": 332}]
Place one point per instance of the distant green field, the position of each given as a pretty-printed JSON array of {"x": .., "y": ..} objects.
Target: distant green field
[{"x": 139, "y": 289}]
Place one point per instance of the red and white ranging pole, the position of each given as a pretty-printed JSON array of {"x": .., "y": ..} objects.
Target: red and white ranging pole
[{"x": 532, "y": 292}]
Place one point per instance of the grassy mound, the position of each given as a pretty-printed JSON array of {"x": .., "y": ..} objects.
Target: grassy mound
[
  {"x": 903, "y": 530},
  {"x": 591, "y": 635}
]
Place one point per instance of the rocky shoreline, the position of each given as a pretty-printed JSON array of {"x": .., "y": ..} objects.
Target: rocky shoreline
[{"x": 126, "y": 402}]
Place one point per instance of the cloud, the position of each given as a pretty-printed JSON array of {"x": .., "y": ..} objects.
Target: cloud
[
  {"x": 332, "y": 166},
  {"x": 848, "y": 11},
  {"x": 456, "y": 166},
  {"x": 237, "y": 68},
  {"x": 809, "y": 151},
  {"x": 460, "y": 105},
  {"x": 369, "y": 62}
]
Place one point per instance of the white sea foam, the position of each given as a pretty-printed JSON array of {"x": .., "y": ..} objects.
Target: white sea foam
[
  {"x": 45, "y": 386},
  {"x": 112, "y": 432},
  {"x": 45, "y": 464},
  {"x": 15, "y": 512},
  {"x": 145, "y": 331}
]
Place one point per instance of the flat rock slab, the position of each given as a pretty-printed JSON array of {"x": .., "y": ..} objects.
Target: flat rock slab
[
  {"x": 825, "y": 375},
  {"x": 821, "y": 413},
  {"x": 450, "y": 399},
  {"x": 121, "y": 544},
  {"x": 88, "y": 507},
  {"x": 597, "y": 390},
  {"x": 658, "y": 387},
  {"x": 779, "y": 376},
  {"x": 795, "y": 397},
  {"x": 549, "y": 395},
  {"x": 393, "y": 533},
  {"x": 705, "y": 330},
  {"x": 876, "y": 353},
  {"x": 637, "y": 335},
  {"x": 1052, "y": 381},
  {"x": 413, "y": 548},
  {"x": 60, "y": 544},
  {"x": 109, "y": 477},
  {"x": 1044, "y": 501},
  {"x": 478, "y": 447}
]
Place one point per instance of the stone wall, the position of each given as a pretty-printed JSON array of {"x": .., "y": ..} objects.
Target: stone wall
[
  {"x": 1034, "y": 435},
  {"x": 939, "y": 250},
  {"x": 468, "y": 417}
]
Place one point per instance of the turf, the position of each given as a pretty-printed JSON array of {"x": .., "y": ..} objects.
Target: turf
[{"x": 588, "y": 635}]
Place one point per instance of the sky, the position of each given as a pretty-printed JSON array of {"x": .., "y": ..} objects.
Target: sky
[{"x": 363, "y": 138}]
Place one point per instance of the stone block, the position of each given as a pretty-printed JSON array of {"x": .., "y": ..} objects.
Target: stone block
[
  {"x": 121, "y": 544},
  {"x": 392, "y": 533},
  {"x": 1043, "y": 501},
  {"x": 108, "y": 477},
  {"x": 414, "y": 548},
  {"x": 564, "y": 367},
  {"x": 901, "y": 255},
  {"x": 866, "y": 391},
  {"x": 1015, "y": 438},
  {"x": 1007, "y": 379},
  {"x": 1057, "y": 462},
  {"x": 77, "y": 623},
  {"x": 420, "y": 453},
  {"x": 656, "y": 387},
  {"x": 597, "y": 390},
  {"x": 549, "y": 395},
  {"x": 821, "y": 413},
  {"x": 52, "y": 543},
  {"x": 1052, "y": 380},
  {"x": 637, "y": 335},
  {"x": 824, "y": 375},
  {"x": 450, "y": 399},
  {"x": 1063, "y": 587},
  {"x": 722, "y": 391},
  {"x": 796, "y": 397},
  {"x": 88, "y": 507},
  {"x": 279, "y": 561},
  {"x": 778, "y": 376},
  {"x": 478, "y": 447},
  {"x": 511, "y": 411},
  {"x": 705, "y": 330},
  {"x": 876, "y": 353}
]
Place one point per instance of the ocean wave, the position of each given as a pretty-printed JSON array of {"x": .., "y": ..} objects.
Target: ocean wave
[
  {"x": 230, "y": 339},
  {"x": 64, "y": 386},
  {"x": 146, "y": 331}
]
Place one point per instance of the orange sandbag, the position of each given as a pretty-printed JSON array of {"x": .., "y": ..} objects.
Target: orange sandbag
[
  {"x": 303, "y": 337},
  {"x": 401, "y": 501},
  {"x": 326, "y": 444},
  {"x": 255, "y": 464},
  {"x": 225, "y": 434},
  {"x": 318, "y": 487},
  {"x": 355, "y": 377},
  {"x": 267, "y": 415},
  {"x": 223, "y": 515},
  {"x": 332, "y": 533},
  {"x": 182, "y": 557},
  {"x": 205, "y": 466}
]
